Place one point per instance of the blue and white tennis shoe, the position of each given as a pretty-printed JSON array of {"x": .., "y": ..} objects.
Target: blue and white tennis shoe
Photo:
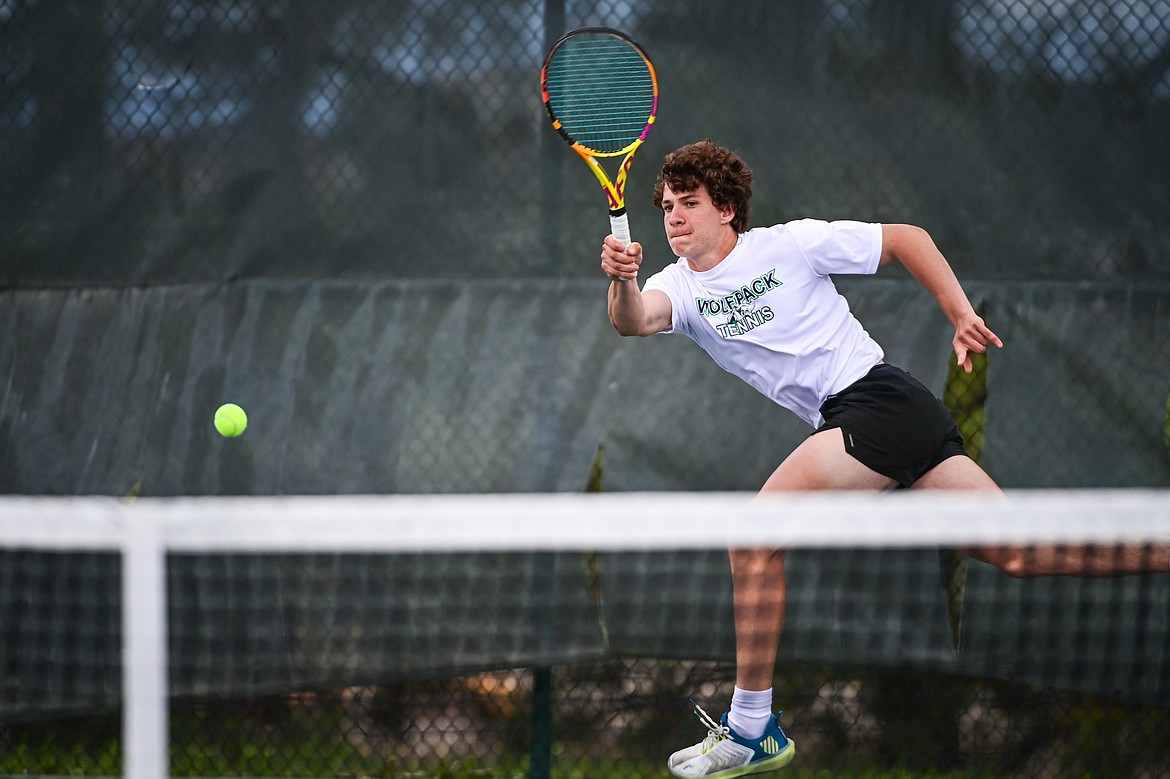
[{"x": 724, "y": 754}]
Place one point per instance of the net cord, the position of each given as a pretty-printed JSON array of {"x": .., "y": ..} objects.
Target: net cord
[{"x": 607, "y": 521}]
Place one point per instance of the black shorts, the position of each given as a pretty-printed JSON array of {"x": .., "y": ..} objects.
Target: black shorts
[{"x": 893, "y": 424}]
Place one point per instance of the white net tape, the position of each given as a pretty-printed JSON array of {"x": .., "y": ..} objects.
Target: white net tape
[{"x": 612, "y": 521}]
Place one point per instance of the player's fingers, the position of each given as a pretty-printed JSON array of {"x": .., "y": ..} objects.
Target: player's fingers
[
  {"x": 989, "y": 337},
  {"x": 633, "y": 254},
  {"x": 615, "y": 250},
  {"x": 978, "y": 332},
  {"x": 976, "y": 336},
  {"x": 963, "y": 359},
  {"x": 618, "y": 266},
  {"x": 613, "y": 244},
  {"x": 619, "y": 259},
  {"x": 960, "y": 344}
]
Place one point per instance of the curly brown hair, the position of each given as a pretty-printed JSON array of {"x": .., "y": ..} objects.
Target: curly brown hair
[{"x": 726, "y": 176}]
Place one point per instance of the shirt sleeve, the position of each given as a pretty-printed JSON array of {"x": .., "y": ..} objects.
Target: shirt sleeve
[
  {"x": 842, "y": 246},
  {"x": 666, "y": 281}
]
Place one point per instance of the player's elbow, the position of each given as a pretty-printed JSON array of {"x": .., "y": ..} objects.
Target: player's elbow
[
  {"x": 903, "y": 240},
  {"x": 644, "y": 314},
  {"x": 905, "y": 233},
  {"x": 623, "y": 328}
]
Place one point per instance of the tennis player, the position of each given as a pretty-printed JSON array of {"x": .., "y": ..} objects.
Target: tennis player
[{"x": 762, "y": 304}]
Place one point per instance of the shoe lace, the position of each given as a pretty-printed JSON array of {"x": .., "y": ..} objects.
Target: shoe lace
[{"x": 716, "y": 732}]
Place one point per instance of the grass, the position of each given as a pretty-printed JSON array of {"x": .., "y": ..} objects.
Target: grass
[{"x": 87, "y": 749}]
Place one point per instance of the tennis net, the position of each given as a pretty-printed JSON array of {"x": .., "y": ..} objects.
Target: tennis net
[{"x": 537, "y": 634}]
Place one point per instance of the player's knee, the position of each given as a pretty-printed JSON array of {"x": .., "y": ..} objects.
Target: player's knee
[
  {"x": 753, "y": 560},
  {"x": 1013, "y": 562}
]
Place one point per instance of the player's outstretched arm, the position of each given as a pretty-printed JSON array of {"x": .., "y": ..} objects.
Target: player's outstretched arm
[
  {"x": 916, "y": 251},
  {"x": 631, "y": 311}
]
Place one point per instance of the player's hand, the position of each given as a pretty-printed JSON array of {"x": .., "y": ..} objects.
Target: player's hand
[
  {"x": 972, "y": 337},
  {"x": 620, "y": 262}
]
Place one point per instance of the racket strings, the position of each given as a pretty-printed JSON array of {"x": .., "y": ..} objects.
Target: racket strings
[{"x": 602, "y": 92}]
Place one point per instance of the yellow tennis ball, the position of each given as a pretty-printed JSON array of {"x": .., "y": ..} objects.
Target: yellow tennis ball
[{"x": 230, "y": 420}]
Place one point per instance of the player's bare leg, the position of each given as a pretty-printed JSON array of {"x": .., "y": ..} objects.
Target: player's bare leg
[
  {"x": 962, "y": 473},
  {"x": 758, "y": 575},
  {"x": 749, "y": 739}
]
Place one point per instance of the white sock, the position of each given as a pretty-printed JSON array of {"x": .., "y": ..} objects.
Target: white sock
[{"x": 750, "y": 711}]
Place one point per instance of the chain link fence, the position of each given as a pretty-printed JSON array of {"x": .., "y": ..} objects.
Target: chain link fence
[
  {"x": 194, "y": 140},
  {"x": 622, "y": 719},
  {"x": 287, "y": 174}
]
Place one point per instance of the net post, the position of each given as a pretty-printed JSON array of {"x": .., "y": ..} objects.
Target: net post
[
  {"x": 145, "y": 711},
  {"x": 540, "y": 748}
]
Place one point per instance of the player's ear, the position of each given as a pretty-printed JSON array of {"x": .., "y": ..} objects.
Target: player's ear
[{"x": 726, "y": 214}]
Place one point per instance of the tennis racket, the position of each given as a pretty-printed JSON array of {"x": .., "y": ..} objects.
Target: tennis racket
[{"x": 601, "y": 93}]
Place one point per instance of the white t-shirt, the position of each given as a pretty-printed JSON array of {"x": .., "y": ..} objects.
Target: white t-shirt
[{"x": 770, "y": 314}]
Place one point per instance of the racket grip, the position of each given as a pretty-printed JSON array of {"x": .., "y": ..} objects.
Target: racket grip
[{"x": 619, "y": 225}]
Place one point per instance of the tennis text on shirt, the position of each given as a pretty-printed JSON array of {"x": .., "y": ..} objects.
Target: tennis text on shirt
[{"x": 742, "y": 316}]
